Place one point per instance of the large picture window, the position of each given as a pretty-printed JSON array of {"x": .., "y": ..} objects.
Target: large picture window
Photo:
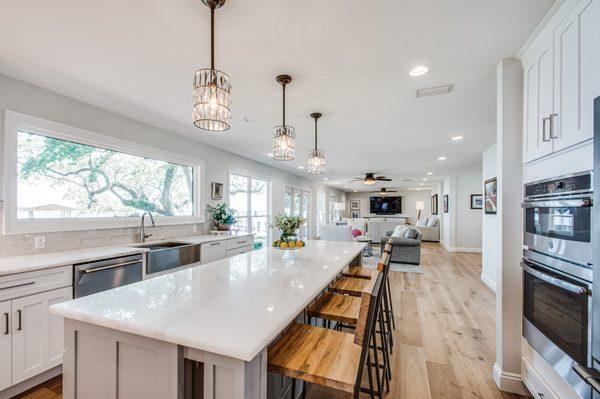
[
  {"x": 60, "y": 178},
  {"x": 63, "y": 179},
  {"x": 249, "y": 196}
]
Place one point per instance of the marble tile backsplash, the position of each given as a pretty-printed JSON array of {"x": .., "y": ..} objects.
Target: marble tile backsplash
[{"x": 23, "y": 244}]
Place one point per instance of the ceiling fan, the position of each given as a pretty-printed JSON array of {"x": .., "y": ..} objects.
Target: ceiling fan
[
  {"x": 383, "y": 191},
  {"x": 370, "y": 178}
]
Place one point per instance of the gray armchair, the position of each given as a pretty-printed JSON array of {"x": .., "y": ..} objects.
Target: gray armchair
[{"x": 405, "y": 250}]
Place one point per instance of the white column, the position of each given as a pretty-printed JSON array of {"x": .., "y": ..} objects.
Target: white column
[{"x": 507, "y": 369}]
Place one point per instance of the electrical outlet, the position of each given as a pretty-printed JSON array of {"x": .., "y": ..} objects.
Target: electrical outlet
[{"x": 39, "y": 242}]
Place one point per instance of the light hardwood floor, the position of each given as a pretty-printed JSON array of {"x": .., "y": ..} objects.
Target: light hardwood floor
[{"x": 445, "y": 337}]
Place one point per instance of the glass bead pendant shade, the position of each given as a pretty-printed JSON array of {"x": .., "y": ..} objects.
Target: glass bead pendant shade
[
  {"x": 212, "y": 88},
  {"x": 316, "y": 157},
  {"x": 284, "y": 136}
]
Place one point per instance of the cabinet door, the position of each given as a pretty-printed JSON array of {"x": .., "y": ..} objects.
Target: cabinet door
[
  {"x": 538, "y": 103},
  {"x": 577, "y": 80},
  {"x": 38, "y": 337},
  {"x": 5, "y": 346},
  {"x": 212, "y": 251}
]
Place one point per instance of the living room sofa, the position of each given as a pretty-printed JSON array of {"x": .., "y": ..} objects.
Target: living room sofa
[
  {"x": 407, "y": 249},
  {"x": 429, "y": 228}
]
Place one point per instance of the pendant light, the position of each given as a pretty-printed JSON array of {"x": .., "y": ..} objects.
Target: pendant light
[
  {"x": 284, "y": 136},
  {"x": 212, "y": 88},
  {"x": 316, "y": 157}
]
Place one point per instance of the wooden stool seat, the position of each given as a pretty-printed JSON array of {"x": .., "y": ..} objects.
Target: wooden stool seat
[
  {"x": 341, "y": 308},
  {"x": 349, "y": 285},
  {"x": 359, "y": 272},
  {"x": 316, "y": 355}
]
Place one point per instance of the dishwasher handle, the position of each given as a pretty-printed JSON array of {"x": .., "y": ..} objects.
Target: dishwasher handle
[{"x": 115, "y": 266}]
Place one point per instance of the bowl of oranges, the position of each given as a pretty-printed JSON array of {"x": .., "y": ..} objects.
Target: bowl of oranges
[{"x": 288, "y": 245}]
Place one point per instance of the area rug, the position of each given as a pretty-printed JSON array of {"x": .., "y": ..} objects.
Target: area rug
[{"x": 371, "y": 263}]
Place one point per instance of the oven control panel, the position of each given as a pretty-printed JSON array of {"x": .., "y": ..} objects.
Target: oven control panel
[{"x": 563, "y": 185}]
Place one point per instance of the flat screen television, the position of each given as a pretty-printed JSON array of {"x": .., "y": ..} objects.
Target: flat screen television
[{"x": 386, "y": 205}]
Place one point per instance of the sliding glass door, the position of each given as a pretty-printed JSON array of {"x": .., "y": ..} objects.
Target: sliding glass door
[
  {"x": 297, "y": 203},
  {"x": 249, "y": 196}
]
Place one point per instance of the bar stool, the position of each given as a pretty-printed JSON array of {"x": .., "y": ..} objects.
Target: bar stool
[
  {"x": 344, "y": 310},
  {"x": 332, "y": 358}
]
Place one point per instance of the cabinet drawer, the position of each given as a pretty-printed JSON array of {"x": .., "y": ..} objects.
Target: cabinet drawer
[
  {"x": 212, "y": 251},
  {"x": 238, "y": 251},
  {"x": 239, "y": 242},
  {"x": 17, "y": 285}
]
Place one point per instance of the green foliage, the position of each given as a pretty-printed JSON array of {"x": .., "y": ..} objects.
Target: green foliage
[
  {"x": 288, "y": 224},
  {"x": 221, "y": 213}
]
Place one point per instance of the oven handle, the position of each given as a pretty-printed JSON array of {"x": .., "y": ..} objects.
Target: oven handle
[
  {"x": 589, "y": 375},
  {"x": 576, "y": 203},
  {"x": 576, "y": 289},
  {"x": 114, "y": 266}
]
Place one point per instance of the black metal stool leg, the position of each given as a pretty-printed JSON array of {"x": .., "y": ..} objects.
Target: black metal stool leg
[
  {"x": 384, "y": 350},
  {"x": 376, "y": 359},
  {"x": 389, "y": 294},
  {"x": 386, "y": 310}
]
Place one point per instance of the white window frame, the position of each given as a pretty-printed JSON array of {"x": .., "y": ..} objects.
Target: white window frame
[
  {"x": 14, "y": 122},
  {"x": 250, "y": 175},
  {"x": 302, "y": 191}
]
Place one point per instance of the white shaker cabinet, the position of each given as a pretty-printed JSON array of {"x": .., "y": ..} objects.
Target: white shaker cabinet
[
  {"x": 561, "y": 80},
  {"x": 37, "y": 335},
  {"x": 577, "y": 76},
  {"x": 538, "y": 102},
  {"x": 212, "y": 251},
  {"x": 5, "y": 346}
]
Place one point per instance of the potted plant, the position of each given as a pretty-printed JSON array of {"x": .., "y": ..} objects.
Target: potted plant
[
  {"x": 289, "y": 226},
  {"x": 223, "y": 217}
]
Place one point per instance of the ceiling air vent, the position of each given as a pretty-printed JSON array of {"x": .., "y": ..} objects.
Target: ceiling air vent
[{"x": 434, "y": 91}]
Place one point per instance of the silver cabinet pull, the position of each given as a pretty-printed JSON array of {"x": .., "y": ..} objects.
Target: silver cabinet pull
[
  {"x": 6, "y": 327},
  {"x": 215, "y": 243},
  {"x": 99, "y": 269},
  {"x": 17, "y": 286},
  {"x": 241, "y": 242},
  {"x": 544, "y": 137},
  {"x": 19, "y": 326},
  {"x": 552, "y": 126}
]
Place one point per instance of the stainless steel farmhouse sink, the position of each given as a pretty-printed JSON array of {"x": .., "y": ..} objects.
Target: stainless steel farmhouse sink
[{"x": 169, "y": 255}]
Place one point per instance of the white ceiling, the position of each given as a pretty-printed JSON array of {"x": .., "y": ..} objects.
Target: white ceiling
[{"x": 349, "y": 60}]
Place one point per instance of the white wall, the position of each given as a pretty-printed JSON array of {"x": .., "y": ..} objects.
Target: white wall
[
  {"x": 461, "y": 225},
  {"x": 489, "y": 225},
  {"x": 409, "y": 199},
  {"x": 31, "y": 100}
]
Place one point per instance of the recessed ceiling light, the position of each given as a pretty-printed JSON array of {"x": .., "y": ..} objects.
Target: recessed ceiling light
[
  {"x": 420, "y": 184},
  {"x": 346, "y": 187},
  {"x": 355, "y": 191},
  {"x": 429, "y": 173},
  {"x": 300, "y": 167},
  {"x": 442, "y": 158},
  {"x": 419, "y": 70},
  {"x": 326, "y": 178},
  {"x": 425, "y": 179},
  {"x": 270, "y": 155},
  {"x": 457, "y": 138}
]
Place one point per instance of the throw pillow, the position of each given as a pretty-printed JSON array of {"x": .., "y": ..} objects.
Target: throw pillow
[
  {"x": 421, "y": 222},
  {"x": 432, "y": 222},
  {"x": 411, "y": 233},
  {"x": 400, "y": 230}
]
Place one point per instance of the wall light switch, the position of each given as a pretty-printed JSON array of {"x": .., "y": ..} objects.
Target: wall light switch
[{"x": 39, "y": 242}]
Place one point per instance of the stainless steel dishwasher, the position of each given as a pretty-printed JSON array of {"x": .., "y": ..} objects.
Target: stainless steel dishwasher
[{"x": 92, "y": 277}]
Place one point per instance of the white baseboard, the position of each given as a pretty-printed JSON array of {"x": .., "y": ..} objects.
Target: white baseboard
[
  {"x": 462, "y": 249},
  {"x": 509, "y": 382},
  {"x": 489, "y": 282}
]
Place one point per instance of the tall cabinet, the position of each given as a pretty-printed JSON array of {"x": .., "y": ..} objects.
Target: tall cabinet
[{"x": 561, "y": 80}]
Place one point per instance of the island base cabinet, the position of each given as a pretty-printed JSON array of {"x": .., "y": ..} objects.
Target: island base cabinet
[{"x": 101, "y": 363}]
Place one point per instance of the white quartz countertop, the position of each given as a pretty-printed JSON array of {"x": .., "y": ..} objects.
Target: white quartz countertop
[
  {"x": 233, "y": 307},
  {"x": 27, "y": 263}
]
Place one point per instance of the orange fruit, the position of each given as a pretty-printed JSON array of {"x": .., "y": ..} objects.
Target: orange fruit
[
  {"x": 299, "y": 244},
  {"x": 292, "y": 244},
  {"x": 283, "y": 245}
]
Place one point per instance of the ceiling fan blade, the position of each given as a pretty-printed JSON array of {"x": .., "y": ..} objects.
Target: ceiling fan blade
[
  {"x": 354, "y": 180},
  {"x": 381, "y": 178}
]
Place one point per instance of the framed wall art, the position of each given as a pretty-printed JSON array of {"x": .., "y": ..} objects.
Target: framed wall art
[{"x": 490, "y": 188}]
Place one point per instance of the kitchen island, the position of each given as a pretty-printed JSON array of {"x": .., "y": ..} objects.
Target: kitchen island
[{"x": 138, "y": 340}]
